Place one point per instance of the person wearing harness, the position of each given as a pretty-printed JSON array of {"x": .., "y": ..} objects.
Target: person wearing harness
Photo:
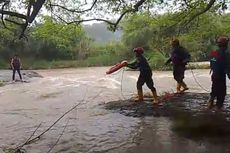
[
  {"x": 179, "y": 58},
  {"x": 145, "y": 74},
  {"x": 220, "y": 67},
  {"x": 16, "y": 66}
]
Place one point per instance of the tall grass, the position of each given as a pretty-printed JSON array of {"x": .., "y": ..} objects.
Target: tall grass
[
  {"x": 155, "y": 59},
  {"x": 3, "y": 64},
  {"x": 30, "y": 63}
]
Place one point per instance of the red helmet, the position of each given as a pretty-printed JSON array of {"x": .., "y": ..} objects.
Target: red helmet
[
  {"x": 222, "y": 41},
  {"x": 138, "y": 50}
]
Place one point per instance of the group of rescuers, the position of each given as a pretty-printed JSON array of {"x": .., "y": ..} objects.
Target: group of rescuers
[{"x": 219, "y": 64}]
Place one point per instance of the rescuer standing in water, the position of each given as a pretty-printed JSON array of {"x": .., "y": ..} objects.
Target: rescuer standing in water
[
  {"x": 179, "y": 58},
  {"x": 145, "y": 74},
  {"x": 220, "y": 67}
]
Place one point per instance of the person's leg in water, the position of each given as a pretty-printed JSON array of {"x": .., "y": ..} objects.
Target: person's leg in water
[
  {"x": 150, "y": 85},
  {"x": 178, "y": 73},
  {"x": 13, "y": 76},
  {"x": 178, "y": 88},
  {"x": 221, "y": 93},
  {"x": 211, "y": 101},
  {"x": 213, "y": 93},
  {"x": 184, "y": 86},
  {"x": 177, "y": 77},
  {"x": 19, "y": 73},
  {"x": 220, "y": 102},
  {"x": 140, "y": 83}
]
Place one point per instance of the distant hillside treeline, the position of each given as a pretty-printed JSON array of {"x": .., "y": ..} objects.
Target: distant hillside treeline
[
  {"x": 94, "y": 46},
  {"x": 100, "y": 34}
]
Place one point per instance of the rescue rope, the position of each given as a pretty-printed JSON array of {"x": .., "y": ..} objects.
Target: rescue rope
[
  {"x": 121, "y": 87},
  {"x": 192, "y": 72},
  {"x": 58, "y": 139},
  {"x": 197, "y": 82},
  {"x": 121, "y": 81}
]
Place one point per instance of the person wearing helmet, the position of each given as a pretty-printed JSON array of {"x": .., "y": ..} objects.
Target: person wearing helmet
[
  {"x": 145, "y": 74},
  {"x": 179, "y": 58},
  {"x": 220, "y": 67}
]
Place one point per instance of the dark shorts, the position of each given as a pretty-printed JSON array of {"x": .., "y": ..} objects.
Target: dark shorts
[
  {"x": 145, "y": 78},
  {"x": 178, "y": 73}
]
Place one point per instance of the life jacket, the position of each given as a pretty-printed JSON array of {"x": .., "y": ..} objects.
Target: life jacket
[
  {"x": 218, "y": 63},
  {"x": 143, "y": 65},
  {"x": 178, "y": 55},
  {"x": 16, "y": 62}
]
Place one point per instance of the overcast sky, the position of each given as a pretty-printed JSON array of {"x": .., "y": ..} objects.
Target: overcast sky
[{"x": 88, "y": 3}]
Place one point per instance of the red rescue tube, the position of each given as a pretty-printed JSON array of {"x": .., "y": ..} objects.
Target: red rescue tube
[{"x": 117, "y": 67}]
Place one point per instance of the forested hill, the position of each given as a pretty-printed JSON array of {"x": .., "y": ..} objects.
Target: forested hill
[
  {"x": 52, "y": 41},
  {"x": 100, "y": 33}
]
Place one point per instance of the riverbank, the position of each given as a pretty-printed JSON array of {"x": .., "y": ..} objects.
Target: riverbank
[{"x": 31, "y": 64}]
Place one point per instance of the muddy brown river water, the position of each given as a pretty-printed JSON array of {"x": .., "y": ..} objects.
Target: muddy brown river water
[{"x": 92, "y": 128}]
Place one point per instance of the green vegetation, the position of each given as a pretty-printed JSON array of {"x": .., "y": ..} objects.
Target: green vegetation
[{"x": 52, "y": 44}]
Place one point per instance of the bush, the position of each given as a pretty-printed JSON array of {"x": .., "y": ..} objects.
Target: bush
[
  {"x": 157, "y": 60},
  {"x": 4, "y": 64}
]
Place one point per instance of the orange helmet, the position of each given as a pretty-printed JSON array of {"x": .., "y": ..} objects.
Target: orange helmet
[
  {"x": 175, "y": 42},
  {"x": 222, "y": 41},
  {"x": 138, "y": 50}
]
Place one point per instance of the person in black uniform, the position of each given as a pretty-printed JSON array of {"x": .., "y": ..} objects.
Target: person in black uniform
[
  {"x": 220, "y": 67},
  {"x": 145, "y": 74},
  {"x": 179, "y": 58},
  {"x": 16, "y": 66}
]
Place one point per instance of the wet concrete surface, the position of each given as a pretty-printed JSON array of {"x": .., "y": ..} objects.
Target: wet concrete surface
[{"x": 107, "y": 120}]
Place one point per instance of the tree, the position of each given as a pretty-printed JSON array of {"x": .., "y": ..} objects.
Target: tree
[
  {"x": 155, "y": 32},
  {"x": 65, "y": 38},
  {"x": 9, "y": 42},
  {"x": 78, "y": 11},
  {"x": 149, "y": 31}
]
